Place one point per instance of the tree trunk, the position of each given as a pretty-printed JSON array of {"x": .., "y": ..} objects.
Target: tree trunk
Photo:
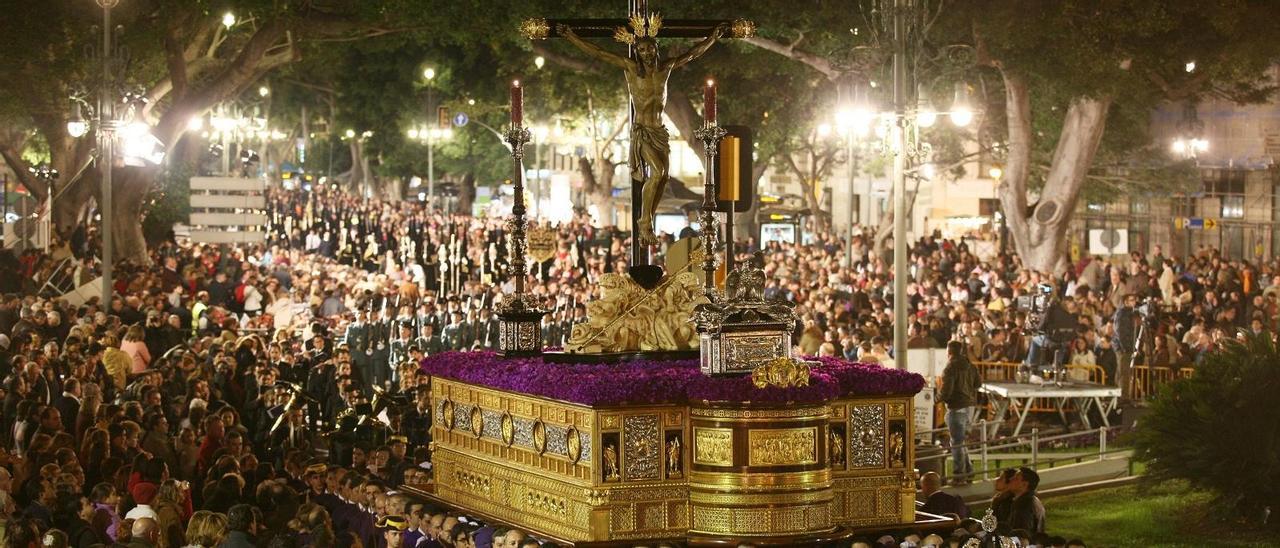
[
  {"x": 129, "y": 192},
  {"x": 466, "y": 193},
  {"x": 599, "y": 186},
  {"x": 1040, "y": 240}
]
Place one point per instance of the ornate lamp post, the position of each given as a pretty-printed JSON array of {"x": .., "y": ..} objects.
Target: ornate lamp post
[
  {"x": 904, "y": 143},
  {"x": 107, "y": 126}
]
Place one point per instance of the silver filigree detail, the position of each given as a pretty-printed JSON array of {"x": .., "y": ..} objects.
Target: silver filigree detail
[
  {"x": 866, "y": 436},
  {"x": 557, "y": 440}
]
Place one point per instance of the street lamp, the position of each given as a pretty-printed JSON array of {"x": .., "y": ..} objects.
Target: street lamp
[
  {"x": 429, "y": 74},
  {"x": 540, "y": 134},
  {"x": 77, "y": 126},
  {"x": 1190, "y": 142},
  {"x": 430, "y": 135},
  {"x": 228, "y": 19},
  {"x": 539, "y": 61}
]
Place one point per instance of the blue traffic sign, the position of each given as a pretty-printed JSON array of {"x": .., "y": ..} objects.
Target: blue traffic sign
[{"x": 461, "y": 119}]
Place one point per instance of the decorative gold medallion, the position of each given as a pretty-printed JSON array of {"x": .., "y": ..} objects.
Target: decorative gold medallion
[
  {"x": 477, "y": 421},
  {"x": 781, "y": 372},
  {"x": 574, "y": 443},
  {"x": 539, "y": 436},
  {"x": 446, "y": 414},
  {"x": 508, "y": 429}
]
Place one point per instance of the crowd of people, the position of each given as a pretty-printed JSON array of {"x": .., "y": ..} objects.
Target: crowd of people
[{"x": 188, "y": 409}]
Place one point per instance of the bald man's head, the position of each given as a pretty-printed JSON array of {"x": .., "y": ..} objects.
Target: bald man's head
[
  {"x": 145, "y": 528},
  {"x": 930, "y": 483}
]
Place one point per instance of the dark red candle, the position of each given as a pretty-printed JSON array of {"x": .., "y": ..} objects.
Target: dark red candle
[
  {"x": 517, "y": 104},
  {"x": 709, "y": 102}
]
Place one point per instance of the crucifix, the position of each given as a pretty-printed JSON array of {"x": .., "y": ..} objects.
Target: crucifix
[{"x": 646, "y": 73}]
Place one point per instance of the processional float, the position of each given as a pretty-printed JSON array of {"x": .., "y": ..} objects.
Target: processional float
[{"x": 677, "y": 411}]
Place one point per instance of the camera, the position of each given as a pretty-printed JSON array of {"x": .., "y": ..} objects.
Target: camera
[{"x": 1035, "y": 306}]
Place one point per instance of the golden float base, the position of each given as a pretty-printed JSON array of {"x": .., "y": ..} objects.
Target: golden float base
[{"x": 706, "y": 473}]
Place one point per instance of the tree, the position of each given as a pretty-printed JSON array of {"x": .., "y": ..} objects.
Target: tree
[
  {"x": 1125, "y": 59},
  {"x": 184, "y": 59},
  {"x": 1219, "y": 429},
  {"x": 1055, "y": 77}
]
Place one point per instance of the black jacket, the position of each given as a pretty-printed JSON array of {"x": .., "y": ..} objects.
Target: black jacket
[{"x": 960, "y": 382}]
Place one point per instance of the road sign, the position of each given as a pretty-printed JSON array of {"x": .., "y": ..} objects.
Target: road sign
[
  {"x": 1195, "y": 223},
  {"x": 460, "y": 119},
  {"x": 442, "y": 117}
]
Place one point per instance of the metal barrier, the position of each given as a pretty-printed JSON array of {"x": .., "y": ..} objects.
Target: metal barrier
[
  {"x": 1148, "y": 379},
  {"x": 987, "y": 465},
  {"x": 1007, "y": 372}
]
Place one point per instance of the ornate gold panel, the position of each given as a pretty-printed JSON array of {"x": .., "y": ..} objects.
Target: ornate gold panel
[
  {"x": 713, "y": 446},
  {"x": 609, "y": 422},
  {"x": 673, "y": 418},
  {"x": 718, "y": 413},
  {"x": 897, "y": 410},
  {"x": 760, "y": 521},
  {"x": 773, "y": 447},
  {"x": 642, "y": 443}
]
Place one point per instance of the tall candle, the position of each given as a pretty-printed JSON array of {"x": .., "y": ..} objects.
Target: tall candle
[
  {"x": 709, "y": 102},
  {"x": 517, "y": 104}
]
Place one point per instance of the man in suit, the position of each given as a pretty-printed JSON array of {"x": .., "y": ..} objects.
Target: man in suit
[
  {"x": 358, "y": 343},
  {"x": 429, "y": 341},
  {"x": 400, "y": 349},
  {"x": 69, "y": 404},
  {"x": 380, "y": 341},
  {"x": 486, "y": 328}
]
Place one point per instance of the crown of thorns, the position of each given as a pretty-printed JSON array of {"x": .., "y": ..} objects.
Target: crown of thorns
[{"x": 641, "y": 27}]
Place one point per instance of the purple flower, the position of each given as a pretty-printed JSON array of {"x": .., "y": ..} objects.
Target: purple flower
[{"x": 642, "y": 382}]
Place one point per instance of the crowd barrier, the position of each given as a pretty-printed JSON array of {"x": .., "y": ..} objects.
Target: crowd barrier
[{"x": 1146, "y": 381}]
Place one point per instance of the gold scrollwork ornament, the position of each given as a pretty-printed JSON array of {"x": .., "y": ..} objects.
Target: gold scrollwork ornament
[{"x": 781, "y": 372}]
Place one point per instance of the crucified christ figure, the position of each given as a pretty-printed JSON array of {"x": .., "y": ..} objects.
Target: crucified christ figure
[{"x": 647, "y": 76}]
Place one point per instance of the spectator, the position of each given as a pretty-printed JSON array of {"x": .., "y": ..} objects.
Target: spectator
[
  {"x": 206, "y": 529},
  {"x": 242, "y": 527},
  {"x": 960, "y": 382},
  {"x": 1026, "y": 512},
  {"x": 937, "y": 501},
  {"x": 135, "y": 346}
]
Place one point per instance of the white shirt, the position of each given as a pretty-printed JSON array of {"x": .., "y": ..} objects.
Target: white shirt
[{"x": 141, "y": 511}]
